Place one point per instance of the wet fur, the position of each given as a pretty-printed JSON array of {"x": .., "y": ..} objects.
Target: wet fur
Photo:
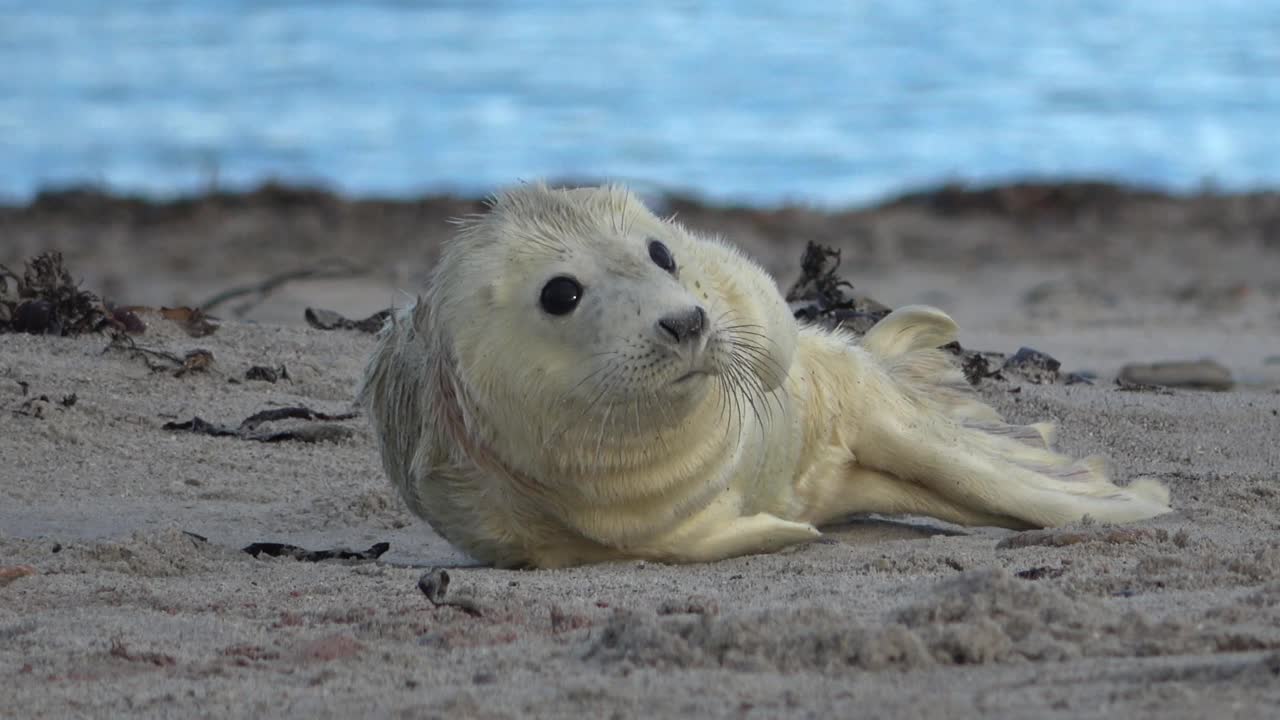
[{"x": 534, "y": 441}]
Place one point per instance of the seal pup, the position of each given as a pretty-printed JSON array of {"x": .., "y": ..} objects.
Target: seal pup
[{"x": 582, "y": 381}]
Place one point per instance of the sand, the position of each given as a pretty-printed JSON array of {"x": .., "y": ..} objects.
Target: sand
[{"x": 137, "y": 599}]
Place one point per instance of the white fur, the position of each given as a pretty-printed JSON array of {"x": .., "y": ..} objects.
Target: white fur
[{"x": 529, "y": 439}]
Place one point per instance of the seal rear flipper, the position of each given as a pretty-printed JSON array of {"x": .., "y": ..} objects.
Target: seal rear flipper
[
  {"x": 908, "y": 329},
  {"x": 932, "y": 429},
  {"x": 852, "y": 489},
  {"x": 1059, "y": 489},
  {"x": 1003, "y": 476}
]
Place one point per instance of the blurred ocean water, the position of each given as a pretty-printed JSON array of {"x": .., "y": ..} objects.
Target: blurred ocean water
[{"x": 816, "y": 101}]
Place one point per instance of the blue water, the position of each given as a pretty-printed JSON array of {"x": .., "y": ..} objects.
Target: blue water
[{"x": 824, "y": 101}]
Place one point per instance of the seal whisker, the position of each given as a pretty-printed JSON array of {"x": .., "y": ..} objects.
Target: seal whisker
[
  {"x": 755, "y": 351},
  {"x": 749, "y": 329},
  {"x": 725, "y": 391},
  {"x": 732, "y": 314},
  {"x": 604, "y": 425},
  {"x": 750, "y": 384},
  {"x": 600, "y": 435},
  {"x": 756, "y": 394},
  {"x": 757, "y": 361},
  {"x": 613, "y": 380},
  {"x": 740, "y": 400},
  {"x": 746, "y": 331},
  {"x": 726, "y": 415},
  {"x": 760, "y": 362},
  {"x": 722, "y": 402},
  {"x": 755, "y": 327},
  {"x": 552, "y": 436},
  {"x": 639, "y": 433},
  {"x": 599, "y": 388},
  {"x": 751, "y": 340},
  {"x": 663, "y": 407}
]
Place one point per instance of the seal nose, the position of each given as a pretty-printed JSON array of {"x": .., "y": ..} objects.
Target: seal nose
[{"x": 685, "y": 325}]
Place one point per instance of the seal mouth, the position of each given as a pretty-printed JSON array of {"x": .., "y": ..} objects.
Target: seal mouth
[{"x": 689, "y": 376}]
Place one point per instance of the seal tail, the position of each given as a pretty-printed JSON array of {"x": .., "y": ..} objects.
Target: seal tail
[{"x": 962, "y": 450}]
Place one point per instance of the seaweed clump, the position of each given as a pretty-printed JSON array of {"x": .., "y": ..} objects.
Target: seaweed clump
[
  {"x": 45, "y": 300},
  {"x": 821, "y": 296}
]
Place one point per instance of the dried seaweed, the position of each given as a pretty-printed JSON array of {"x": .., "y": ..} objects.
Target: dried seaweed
[
  {"x": 818, "y": 283},
  {"x": 267, "y": 374},
  {"x": 36, "y": 406},
  {"x": 1040, "y": 572},
  {"x": 330, "y": 320},
  {"x": 976, "y": 364},
  {"x": 819, "y": 295},
  {"x": 248, "y": 429},
  {"x": 295, "y": 412},
  {"x": 126, "y": 319},
  {"x": 193, "y": 320},
  {"x": 272, "y": 549},
  {"x": 45, "y": 300},
  {"x": 192, "y": 361}
]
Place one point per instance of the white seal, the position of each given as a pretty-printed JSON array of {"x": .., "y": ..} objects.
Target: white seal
[{"x": 583, "y": 381}]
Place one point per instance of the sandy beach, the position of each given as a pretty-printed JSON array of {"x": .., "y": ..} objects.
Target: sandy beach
[{"x": 125, "y": 590}]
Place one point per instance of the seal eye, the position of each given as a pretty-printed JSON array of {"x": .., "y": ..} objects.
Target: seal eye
[
  {"x": 561, "y": 295},
  {"x": 662, "y": 256}
]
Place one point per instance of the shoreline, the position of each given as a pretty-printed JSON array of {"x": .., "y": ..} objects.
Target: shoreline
[{"x": 994, "y": 192}]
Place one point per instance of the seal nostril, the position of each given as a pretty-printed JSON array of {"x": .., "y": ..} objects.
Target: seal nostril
[{"x": 685, "y": 325}]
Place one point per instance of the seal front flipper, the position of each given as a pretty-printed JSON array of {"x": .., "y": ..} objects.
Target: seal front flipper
[
  {"x": 719, "y": 532},
  {"x": 750, "y": 535}
]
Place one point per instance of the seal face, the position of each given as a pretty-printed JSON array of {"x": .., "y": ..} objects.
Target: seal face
[
  {"x": 582, "y": 381},
  {"x": 573, "y": 308}
]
